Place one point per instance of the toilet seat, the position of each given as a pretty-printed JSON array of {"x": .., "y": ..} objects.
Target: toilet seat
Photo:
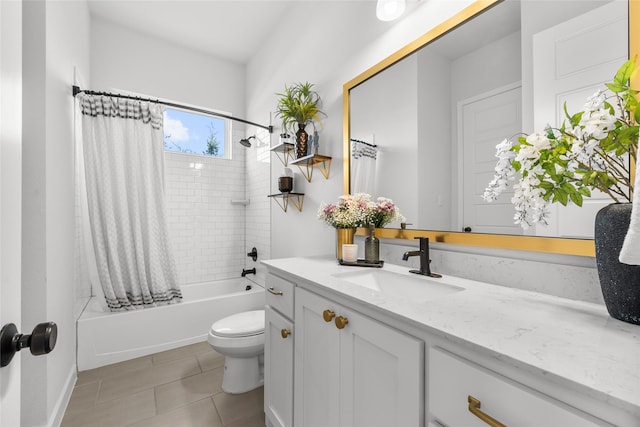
[{"x": 245, "y": 324}]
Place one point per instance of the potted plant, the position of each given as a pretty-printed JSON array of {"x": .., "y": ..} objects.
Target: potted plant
[
  {"x": 299, "y": 105},
  {"x": 592, "y": 150}
]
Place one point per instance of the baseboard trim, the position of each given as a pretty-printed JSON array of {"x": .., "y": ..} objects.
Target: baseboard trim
[{"x": 63, "y": 400}]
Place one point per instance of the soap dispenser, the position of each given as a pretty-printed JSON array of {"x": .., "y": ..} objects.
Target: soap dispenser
[{"x": 372, "y": 246}]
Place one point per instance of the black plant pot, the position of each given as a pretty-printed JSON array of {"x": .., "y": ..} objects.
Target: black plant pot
[{"x": 620, "y": 282}]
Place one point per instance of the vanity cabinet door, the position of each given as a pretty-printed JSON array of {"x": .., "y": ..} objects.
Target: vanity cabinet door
[
  {"x": 317, "y": 362},
  {"x": 278, "y": 369},
  {"x": 382, "y": 375},
  {"x": 353, "y": 370}
]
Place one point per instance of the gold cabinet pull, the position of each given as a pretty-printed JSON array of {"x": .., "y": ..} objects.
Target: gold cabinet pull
[
  {"x": 474, "y": 408},
  {"x": 328, "y": 315},
  {"x": 275, "y": 292},
  {"x": 285, "y": 333},
  {"x": 341, "y": 322}
]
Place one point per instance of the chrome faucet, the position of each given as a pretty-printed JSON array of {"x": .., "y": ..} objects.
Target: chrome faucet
[{"x": 425, "y": 262}]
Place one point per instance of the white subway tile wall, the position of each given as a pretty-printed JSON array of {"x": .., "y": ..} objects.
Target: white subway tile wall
[
  {"x": 206, "y": 230},
  {"x": 211, "y": 236}
]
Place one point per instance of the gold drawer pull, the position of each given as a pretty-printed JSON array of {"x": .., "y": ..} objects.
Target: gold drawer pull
[
  {"x": 285, "y": 333},
  {"x": 275, "y": 292},
  {"x": 341, "y": 322},
  {"x": 328, "y": 315},
  {"x": 474, "y": 408}
]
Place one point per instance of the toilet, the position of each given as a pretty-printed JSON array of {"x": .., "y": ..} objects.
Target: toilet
[{"x": 240, "y": 339}]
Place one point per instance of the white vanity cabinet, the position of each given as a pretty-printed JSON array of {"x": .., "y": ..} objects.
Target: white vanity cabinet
[
  {"x": 352, "y": 370},
  {"x": 528, "y": 359},
  {"x": 278, "y": 352},
  {"x": 462, "y": 393}
]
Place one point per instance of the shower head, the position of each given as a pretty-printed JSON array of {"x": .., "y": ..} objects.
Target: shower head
[{"x": 245, "y": 141}]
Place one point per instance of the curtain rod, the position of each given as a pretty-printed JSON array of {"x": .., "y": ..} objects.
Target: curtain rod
[{"x": 77, "y": 90}]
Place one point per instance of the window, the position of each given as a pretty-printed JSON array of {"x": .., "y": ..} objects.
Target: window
[{"x": 195, "y": 133}]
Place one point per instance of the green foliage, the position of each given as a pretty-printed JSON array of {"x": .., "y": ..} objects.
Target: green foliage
[
  {"x": 561, "y": 183},
  {"x": 213, "y": 146},
  {"x": 298, "y": 104}
]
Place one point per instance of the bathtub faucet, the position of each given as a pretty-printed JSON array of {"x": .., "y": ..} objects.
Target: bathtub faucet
[{"x": 248, "y": 271}]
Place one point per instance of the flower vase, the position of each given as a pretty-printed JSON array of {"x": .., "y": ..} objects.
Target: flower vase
[
  {"x": 302, "y": 141},
  {"x": 620, "y": 283},
  {"x": 343, "y": 236}
]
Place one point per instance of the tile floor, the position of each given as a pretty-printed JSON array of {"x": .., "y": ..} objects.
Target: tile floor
[{"x": 180, "y": 387}]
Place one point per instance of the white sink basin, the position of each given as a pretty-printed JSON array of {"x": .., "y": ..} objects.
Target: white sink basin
[{"x": 412, "y": 286}]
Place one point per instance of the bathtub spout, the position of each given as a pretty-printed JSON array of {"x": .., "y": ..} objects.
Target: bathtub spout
[{"x": 248, "y": 271}]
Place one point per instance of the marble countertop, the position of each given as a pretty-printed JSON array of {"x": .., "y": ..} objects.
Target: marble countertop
[{"x": 574, "y": 341}]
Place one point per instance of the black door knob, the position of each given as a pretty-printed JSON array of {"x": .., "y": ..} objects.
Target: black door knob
[
  {"x": 467, "y": 229},
  {"x": 41, "y": 341}
]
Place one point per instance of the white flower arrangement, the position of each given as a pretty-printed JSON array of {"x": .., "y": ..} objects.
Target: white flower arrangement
[{"x": 590, "y": 152}]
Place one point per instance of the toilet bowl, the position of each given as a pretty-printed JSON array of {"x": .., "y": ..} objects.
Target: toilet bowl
[{"x": 240, "y": 339}]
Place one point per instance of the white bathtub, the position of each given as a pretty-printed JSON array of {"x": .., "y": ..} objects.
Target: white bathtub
[{"x": 105, "y": 337}]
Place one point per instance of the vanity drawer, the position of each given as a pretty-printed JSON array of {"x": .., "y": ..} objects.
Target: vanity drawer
[
  {"x": 279, "y": 295},
  {"x": 452, "y": 381}
]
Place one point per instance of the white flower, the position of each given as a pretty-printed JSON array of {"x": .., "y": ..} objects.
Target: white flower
[
  {"x": 539, "y": 141},
  {"x": 504, "y": 171},
  {"x": 595, "y": 101},
  {"x": 564, "y": 164},
  {"x": 597, "y": 123}
]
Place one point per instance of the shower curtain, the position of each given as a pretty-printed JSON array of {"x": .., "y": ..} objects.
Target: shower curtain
[
  {"x": 363, "y": 167},
  {"x": 122, "y": 149}
]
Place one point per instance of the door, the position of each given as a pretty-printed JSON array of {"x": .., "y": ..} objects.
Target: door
[
  {"x": 578, "y": 68},
  {"x": 317, "y": 362},
  {"x": 484, "y": 121},
  {"x": 278, "y": 369},
  {"x": 382, "y": 376},
  {"x": 10, "y": 197}
]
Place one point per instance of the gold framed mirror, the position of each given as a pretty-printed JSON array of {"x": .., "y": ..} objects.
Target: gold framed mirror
[{"x": 569, "y": 246}]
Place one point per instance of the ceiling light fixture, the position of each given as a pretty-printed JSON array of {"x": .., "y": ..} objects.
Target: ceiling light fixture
[{"x": 388, "y": 10}]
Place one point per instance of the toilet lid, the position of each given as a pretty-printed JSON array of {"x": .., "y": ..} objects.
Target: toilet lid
[{"x": 240, "y": 325}]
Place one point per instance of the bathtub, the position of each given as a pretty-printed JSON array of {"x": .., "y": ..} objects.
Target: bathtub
[{"x": 106, "y": 337}]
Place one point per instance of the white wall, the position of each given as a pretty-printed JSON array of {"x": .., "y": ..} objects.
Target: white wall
[
  {"x": 127, "y": 60},
  {"x": 55, "y": 40},
  {"x": 435, "y": 172},
  {"x": 335, "y": 62},
  {"x": 385, "y": 107}
]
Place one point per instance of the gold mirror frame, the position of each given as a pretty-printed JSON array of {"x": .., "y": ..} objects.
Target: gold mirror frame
[{"x": 581, "y": 247}]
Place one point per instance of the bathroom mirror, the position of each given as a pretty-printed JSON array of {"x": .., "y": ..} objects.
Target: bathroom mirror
[{"x": 482, "y": 63}]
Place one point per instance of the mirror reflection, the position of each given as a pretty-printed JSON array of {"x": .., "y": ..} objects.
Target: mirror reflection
[{"x": 423, "y": 132}]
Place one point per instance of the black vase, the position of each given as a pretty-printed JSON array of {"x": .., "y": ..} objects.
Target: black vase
[
  {"x": 620, "y": 282},
  {"x": 302, "y": 141}
]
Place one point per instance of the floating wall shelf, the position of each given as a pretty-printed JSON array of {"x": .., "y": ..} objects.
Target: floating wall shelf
[
  {"x": 282, "y": 199},
  {"x": 284, "y": 151},
  {"x": 306, "y": 163}
]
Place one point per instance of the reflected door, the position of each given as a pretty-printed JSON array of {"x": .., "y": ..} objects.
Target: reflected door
[
  {"x": 483, "y": 122},
  {"x": 573, "y": 61}
]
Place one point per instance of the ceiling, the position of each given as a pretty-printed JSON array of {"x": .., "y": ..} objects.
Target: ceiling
[{"x": 233, "y": 30}]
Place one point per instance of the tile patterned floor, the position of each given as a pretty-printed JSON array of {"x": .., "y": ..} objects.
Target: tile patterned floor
[{"x": 180, "y": 387}]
